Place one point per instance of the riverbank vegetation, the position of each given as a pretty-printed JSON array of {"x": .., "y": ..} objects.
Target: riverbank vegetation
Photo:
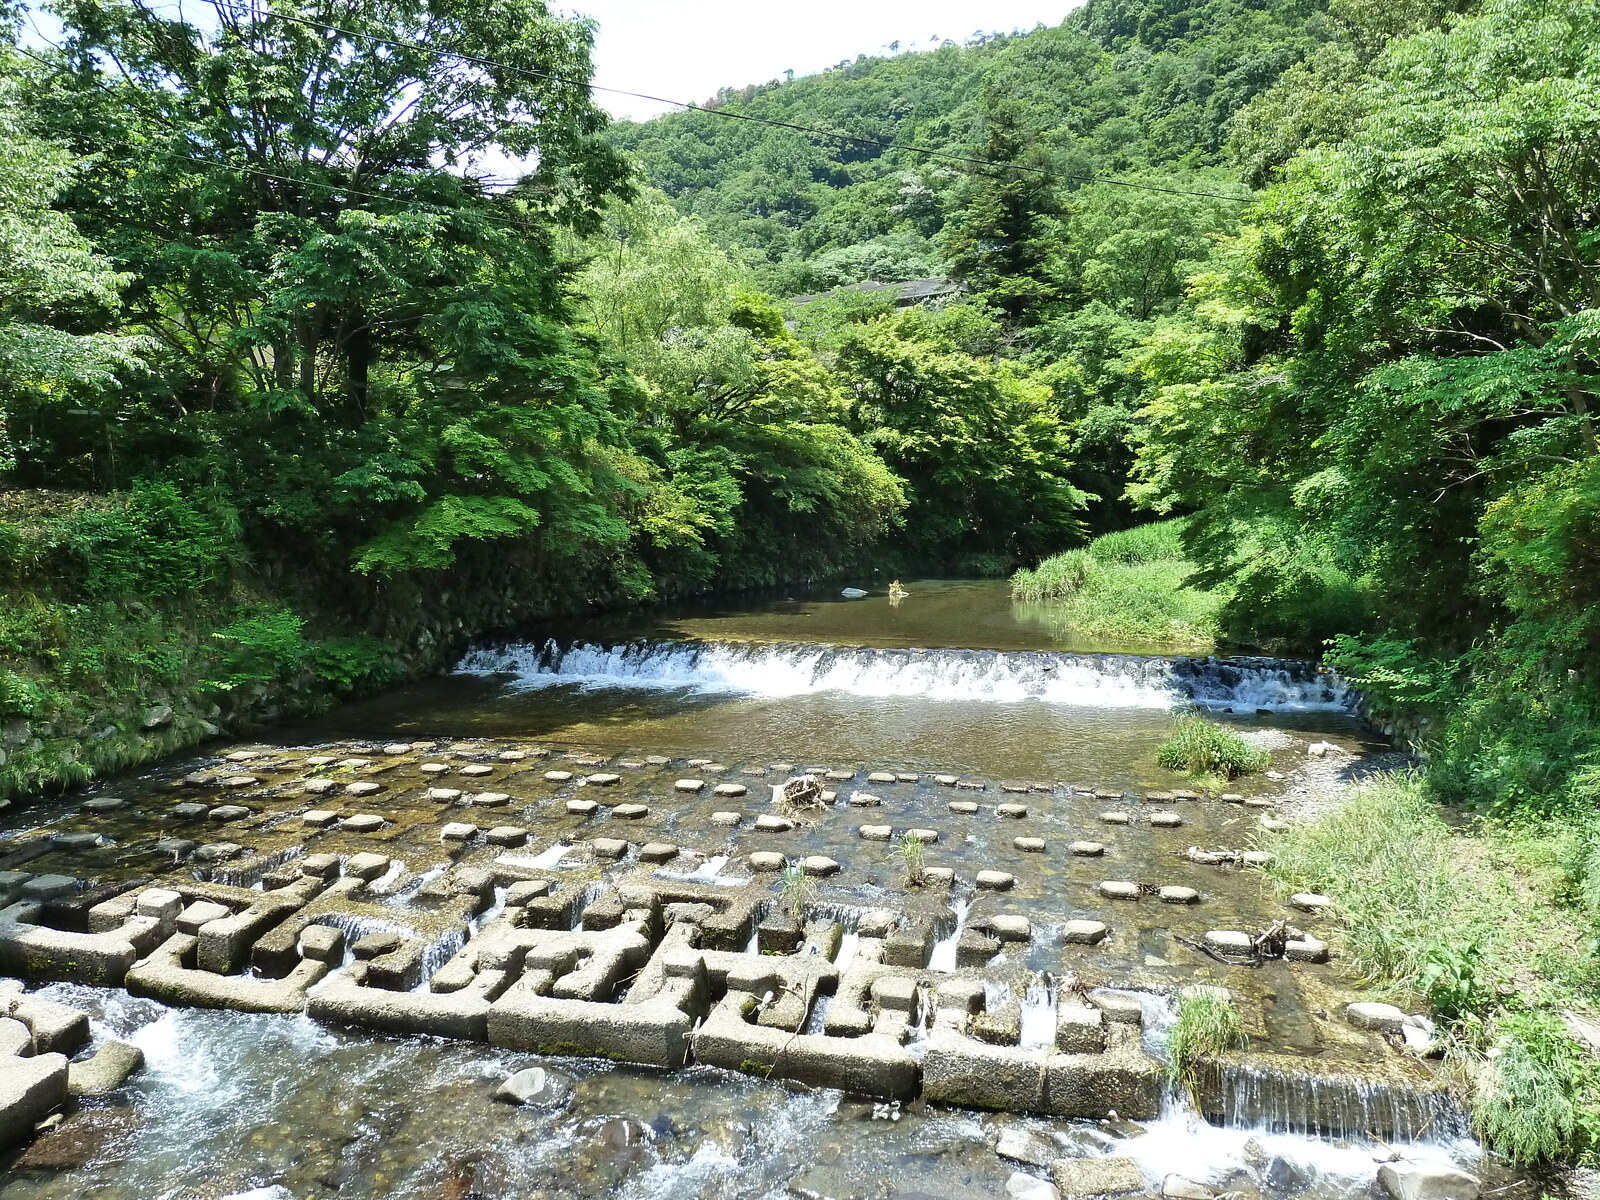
[
  {"x": 1127, "y": 588},
  {"x": 1488, "y": 926},
  {"x": 1309, "y": 276}
]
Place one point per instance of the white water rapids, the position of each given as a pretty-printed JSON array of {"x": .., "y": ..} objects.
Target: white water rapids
[{"x": 997, "y": 676}]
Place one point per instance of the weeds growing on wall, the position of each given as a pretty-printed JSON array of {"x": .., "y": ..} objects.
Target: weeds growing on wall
[{"x": 1207, "y": 1025}]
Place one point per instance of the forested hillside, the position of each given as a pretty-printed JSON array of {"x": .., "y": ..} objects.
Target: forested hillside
[{"x": 1136, "y": 89}]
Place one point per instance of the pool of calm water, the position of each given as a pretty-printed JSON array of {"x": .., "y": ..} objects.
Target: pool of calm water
[{"x": 952, "y": 678}]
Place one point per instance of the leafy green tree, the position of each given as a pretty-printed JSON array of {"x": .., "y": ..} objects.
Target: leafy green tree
[
  {"x": 320, "y": 255},
  {"x": 984, "y": 452},
  {"x": 1399, "y": 357},
  {"x": 55, "y": 287}
]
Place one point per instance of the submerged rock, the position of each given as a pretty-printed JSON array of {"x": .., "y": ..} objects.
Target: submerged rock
[
  {"x": 1022, "y": 1186},
  {"x": 106, "y": 1070},
  {"x": 536, "y": 1087},
  {"x": 1025, "y": 1146}
]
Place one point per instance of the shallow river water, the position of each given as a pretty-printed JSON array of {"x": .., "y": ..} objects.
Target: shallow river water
[{"x": 953, "y": 678}]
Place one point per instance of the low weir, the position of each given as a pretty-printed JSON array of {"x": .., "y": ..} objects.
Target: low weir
[{"x": 1000, "y": 676}]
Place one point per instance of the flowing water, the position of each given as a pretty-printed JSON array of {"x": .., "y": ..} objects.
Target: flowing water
[{"x": 953, "y": 678}]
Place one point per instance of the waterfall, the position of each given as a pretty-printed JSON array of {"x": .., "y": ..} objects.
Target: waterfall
[
  {"x": 943, "y": 955},
  {"x": 999, "y": 676},
  {"x": 1341, "y": 1106},
  {"x": 1039, "y": 1014}
]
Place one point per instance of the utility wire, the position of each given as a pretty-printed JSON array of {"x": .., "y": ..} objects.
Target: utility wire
[{"x": 811, "y": 130}]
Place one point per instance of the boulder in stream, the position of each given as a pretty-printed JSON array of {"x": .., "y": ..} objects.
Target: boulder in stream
[
  {"x": 1427, "y": 1181},
  {"x": 1084, "y": 1177}
]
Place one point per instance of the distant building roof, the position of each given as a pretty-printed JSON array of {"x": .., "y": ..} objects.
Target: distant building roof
[{"x": 911, "y": 291}]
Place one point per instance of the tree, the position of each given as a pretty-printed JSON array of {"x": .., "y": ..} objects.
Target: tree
[
  {"x": 298, "y": 196},
  {"x": 1000, "y": 233},
  {"x": 54, "y": 284},
  {"x": 983, "y": 450}
]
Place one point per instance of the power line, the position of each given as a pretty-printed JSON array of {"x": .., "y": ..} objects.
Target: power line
[{"x": 812, "y": 130}]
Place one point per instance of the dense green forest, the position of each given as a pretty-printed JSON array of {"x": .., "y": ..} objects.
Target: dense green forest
[{"x": 297, "y": 396}]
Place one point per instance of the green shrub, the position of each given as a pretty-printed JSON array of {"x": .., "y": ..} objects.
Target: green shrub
[
  {"x": 1384, "y": 856},
  {"x": 262, "y": 648},
  {"x": 1155, "y": 542},
  {"x": 1055, "y": 578},
  {"x": 1527, "y": 1100},
  {"x": 1202, "y": 747},
  {"x": 19, "y": 697}
]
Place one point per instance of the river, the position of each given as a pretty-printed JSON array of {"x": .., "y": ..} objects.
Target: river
[{"x": 963, "y": 704}]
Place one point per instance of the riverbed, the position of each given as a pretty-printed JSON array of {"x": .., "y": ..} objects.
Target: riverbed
[{"x": 949, "y": 710}]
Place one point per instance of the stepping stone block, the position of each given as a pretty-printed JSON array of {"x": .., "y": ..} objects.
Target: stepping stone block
[{"x": 1085, "y": 933}]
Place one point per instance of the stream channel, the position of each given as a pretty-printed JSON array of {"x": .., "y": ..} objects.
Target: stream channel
[{"x": 970, "y": 703}]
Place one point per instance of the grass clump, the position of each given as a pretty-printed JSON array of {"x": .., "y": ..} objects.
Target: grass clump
[
  {"x": 1208, "y": 1025},
  {"x": 1128, "y": 587},
  {"x": 795, "y": 891},
  {"x": 1202, "y": 747},
  {"x": 910, "y": 853},
  {"x": 1385, "y": 856},
  {"x": 1533, "y": 1096}
]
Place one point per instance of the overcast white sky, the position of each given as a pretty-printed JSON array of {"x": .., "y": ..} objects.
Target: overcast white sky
[{"x": 687, "y": 49}]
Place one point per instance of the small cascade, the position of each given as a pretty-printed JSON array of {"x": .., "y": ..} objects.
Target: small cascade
[
  {"x": 1001, "y": 676},
  {"x": 818, "y": 1015},
  {"x": 443, "y": 948},
  {"x": 995, "y": 994},
  {"x": 250, "y": 871},
  {"x": 943, "y": 957},
  {"x": 1338, "y": 1106},
  {"x": 917, "y": 1036},
  {"x": 1039, "y": 1013},
  {"x": 382, "y": 885},
  {"x": 547, "y": 859},
  {"x": 355, "y": 927},
  {"x": 849, "y": 946},
  {"x": 497, "y": 906},
  {"x": 709, "y": 872},
  {"x": 416, "y": 883}
]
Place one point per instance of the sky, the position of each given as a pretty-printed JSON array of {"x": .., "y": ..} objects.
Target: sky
[{"x": 687, "y": 49}]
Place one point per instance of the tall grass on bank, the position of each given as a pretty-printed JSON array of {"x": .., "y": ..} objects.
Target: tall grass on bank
[
  {"x": 1126, "y": 587},
  {"x": 1487, "y": 926}
]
